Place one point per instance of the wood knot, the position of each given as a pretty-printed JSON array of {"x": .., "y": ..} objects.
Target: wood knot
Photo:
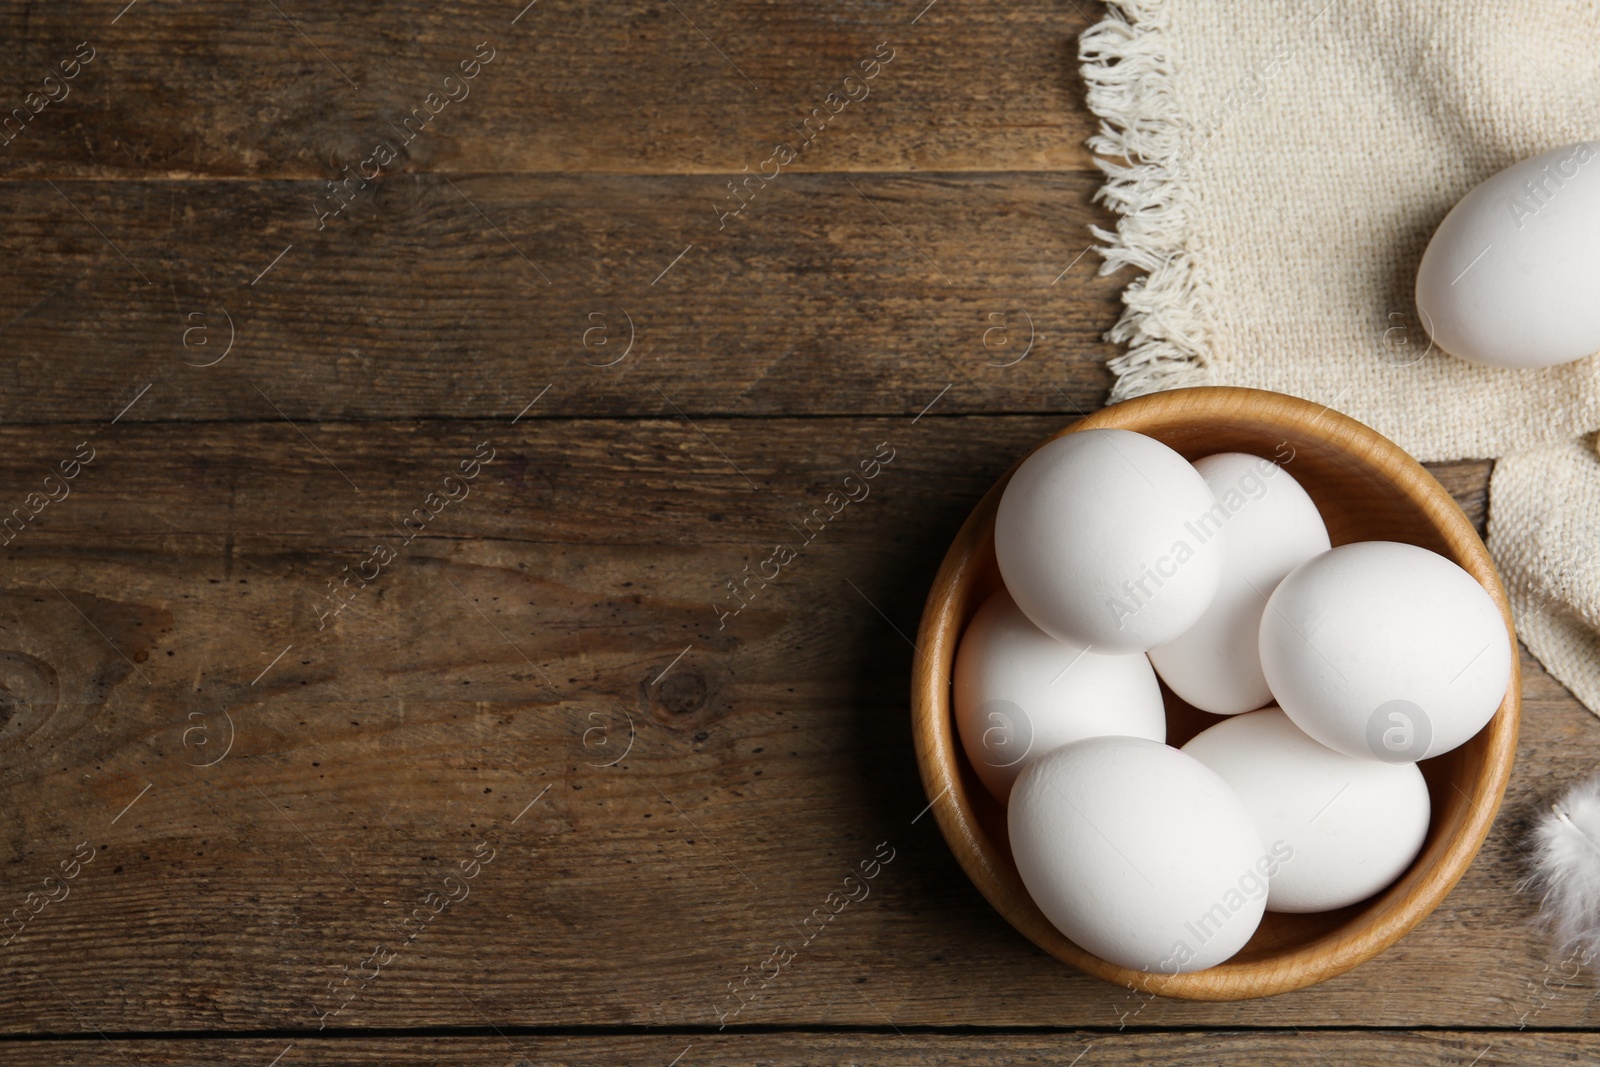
[
  {"x": 29, "y": 690},
  {"x": 683, "y": 699},
  {"x": 683, "y": 693}
]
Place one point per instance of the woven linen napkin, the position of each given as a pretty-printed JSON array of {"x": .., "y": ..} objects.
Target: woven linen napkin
[{"x": 1278, "y": 170}]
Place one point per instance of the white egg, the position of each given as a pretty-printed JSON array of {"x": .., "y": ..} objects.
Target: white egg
[
  {"x": 1097, "y": 540},
  {"x": 1386, "y": 651},
  {"x": 1273, "y": 527},
  {"x": 1343, "y": 827},
  {"x": 1139, "y": 853},
  {"x": 1019, "y": 693},
  {"x": 1508, "y": 279}
]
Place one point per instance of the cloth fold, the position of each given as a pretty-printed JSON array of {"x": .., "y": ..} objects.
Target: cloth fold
[
  {"x": 1278, "y": 170},
  {"x": 1544, "y": 534}
]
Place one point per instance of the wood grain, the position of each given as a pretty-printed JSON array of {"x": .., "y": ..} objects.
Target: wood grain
[
  {"x": 235, "y": 89},
  {"x": 829, "y": 294},
  {"x": 770, "y": 756},
  {"x": 1201, "y": 1048}
]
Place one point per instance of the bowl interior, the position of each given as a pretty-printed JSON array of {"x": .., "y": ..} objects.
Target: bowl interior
[{"x": 1367, "y": 489}]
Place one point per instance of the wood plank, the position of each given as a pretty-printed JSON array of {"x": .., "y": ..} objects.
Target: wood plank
[
  {"x": 471, "y": 697},
  {"x": 1348, "y": 1048},
  {"x": 828, "y": 294},
  {"x": 247, "y": 90}
]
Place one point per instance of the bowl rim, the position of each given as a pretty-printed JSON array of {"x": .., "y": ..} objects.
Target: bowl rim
[{"x": 940, "y": 757}]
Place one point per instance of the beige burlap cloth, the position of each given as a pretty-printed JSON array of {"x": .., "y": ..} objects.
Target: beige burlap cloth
[{"x": 1278, "y": 170}]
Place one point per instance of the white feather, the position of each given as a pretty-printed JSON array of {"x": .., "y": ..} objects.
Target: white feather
[{"x": 1566, "y": 869}]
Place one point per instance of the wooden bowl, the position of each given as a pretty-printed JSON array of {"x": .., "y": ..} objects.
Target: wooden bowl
[{"x": 1367, "y": 489}]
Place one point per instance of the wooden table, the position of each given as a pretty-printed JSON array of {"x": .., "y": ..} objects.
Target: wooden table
[{"x": 384, "y": 684}]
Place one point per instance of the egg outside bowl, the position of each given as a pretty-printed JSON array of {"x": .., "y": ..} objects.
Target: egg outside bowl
[{"x": 1367, "y": 488}]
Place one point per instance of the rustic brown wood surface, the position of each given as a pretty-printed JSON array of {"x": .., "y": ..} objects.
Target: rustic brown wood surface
[
  {"x": 910, "y": 1048},
  {"x": 830, "y": 294},
  {"x": 291, "y": 771}
]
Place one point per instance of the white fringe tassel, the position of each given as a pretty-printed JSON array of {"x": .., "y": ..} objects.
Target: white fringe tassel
[{"x": 1141, "y": 148}]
